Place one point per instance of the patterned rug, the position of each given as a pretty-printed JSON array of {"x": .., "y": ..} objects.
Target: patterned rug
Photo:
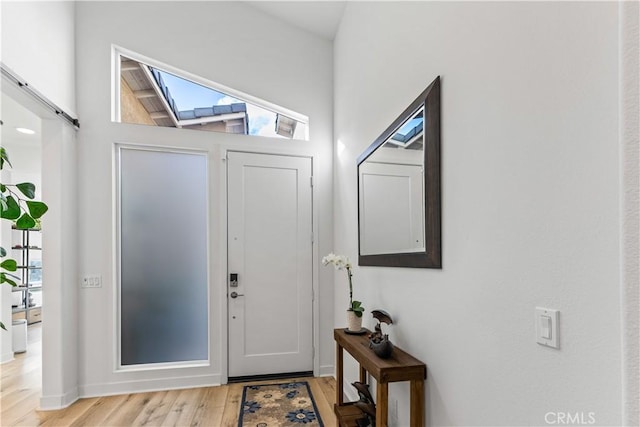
[{"x": 278, "y": 405}]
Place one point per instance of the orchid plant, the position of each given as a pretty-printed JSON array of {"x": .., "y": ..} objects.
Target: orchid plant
[{"x": 341, "y": 262}]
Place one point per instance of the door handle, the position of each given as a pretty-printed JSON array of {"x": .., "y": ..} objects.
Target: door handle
[{"x": 234, "y": 294}]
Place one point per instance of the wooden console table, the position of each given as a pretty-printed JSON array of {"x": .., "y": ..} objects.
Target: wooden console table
[{"x": 400, "y": 367}]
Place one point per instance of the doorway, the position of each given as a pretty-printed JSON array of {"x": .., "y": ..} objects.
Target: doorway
[
  {"x": 21, "y": 305},
  {"x": 270, "y": 245},
  {"x": 58, "y": 279}
]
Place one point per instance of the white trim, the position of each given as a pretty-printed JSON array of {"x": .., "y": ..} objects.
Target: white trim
[
  {"x": 118, "y": 367},
  {"x": 327, "y": 371},
  {"x": 141, "y": 386},
  {"x": 351, "y": 394},
  {"x": 116, "y": 72},
  {"x": 315, "y": 276},
  {"x": 212, "y": 119},
  {"x": 118, "y": 50},
  {"x": 61, "y": 401},
  {"x": 161, "y": 366}
]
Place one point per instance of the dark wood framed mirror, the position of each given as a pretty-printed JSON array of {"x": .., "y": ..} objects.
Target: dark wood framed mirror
[{"x": 399, "y": 207}]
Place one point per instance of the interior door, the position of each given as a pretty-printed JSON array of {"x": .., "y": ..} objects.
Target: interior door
[
  {"x": 270, "y": 298},
  {"x": 391, "y": 208}
]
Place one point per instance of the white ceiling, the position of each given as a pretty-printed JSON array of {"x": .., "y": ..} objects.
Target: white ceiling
[{"x": 321, "y": 18}]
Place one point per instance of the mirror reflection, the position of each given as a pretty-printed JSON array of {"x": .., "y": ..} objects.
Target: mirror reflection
[{"x": 392, "y": 194}]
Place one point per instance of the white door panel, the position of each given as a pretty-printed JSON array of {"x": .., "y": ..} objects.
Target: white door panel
[
  {"x": 269, "y": 239},
  {"x": 391, "y": 215}
]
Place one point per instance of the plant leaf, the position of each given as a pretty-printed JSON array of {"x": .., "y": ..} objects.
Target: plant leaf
[
  {"x": 25, "y": 222},
  {"x": 9, "y": 264},
  {"x": 3, "y": 252},
  {"x": 37, "y": 209},
  {"x": 28, "y": 189},
  {"x": 2, "y": 326},
  {"x": 5, "y": 279},
  {"x": 3, "y": 188},
  {"x": 13, "y": 209},
  {"x": 4, "y": 157}
]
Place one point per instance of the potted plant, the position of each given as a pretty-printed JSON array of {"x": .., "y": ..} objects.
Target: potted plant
[
  {"x": 355, "y": 310},
  {"x": 16, "y": 205}
]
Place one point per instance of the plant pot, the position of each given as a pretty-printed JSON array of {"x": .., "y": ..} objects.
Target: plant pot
[{"x": 354, "y": 323}]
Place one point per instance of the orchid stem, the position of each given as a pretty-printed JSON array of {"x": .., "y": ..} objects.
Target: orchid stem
[{"x": 350, "y": 288}]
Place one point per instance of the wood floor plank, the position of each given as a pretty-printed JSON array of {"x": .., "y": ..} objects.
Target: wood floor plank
[
  {"x": 157, "y": 409},
  {"x": 31, "y": 418},
  {"x": 20, "y": 409},
  {"x": 184, "y": 408},
  {"x": 324, "y": 407},
  {"x": 67, "y": 416},
  {"x": 129, "y": 410},
  {"x": 10, "y": 398},
  {"x": 232, "y": 406},
  {"x": 199, "y": 407},
  {"x": 211, "y": 408},
  {"x": 99, "y": 411},
  {"x": 328, "y": 387}
]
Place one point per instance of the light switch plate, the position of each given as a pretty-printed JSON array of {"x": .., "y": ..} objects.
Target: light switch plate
[{"x": 547, "y": 327}]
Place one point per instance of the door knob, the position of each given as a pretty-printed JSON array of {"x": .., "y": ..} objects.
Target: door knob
[{"x": 234, "y": 294}]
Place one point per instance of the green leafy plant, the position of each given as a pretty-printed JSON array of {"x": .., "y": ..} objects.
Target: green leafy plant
[
  {"x": 17, "y": 205},
  {"x": 341, "y": 262}
]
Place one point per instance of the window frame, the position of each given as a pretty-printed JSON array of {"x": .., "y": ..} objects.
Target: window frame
[{"x": 117, "y": 52}]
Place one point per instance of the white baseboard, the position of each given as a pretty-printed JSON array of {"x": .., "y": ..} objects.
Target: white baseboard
[
  {"x": 327, "y": 371},
  {"x": 61, "y": 401},
  {"x": 351, "y": 394},
  {"x": 7, "y": 357},
  {"x": 142, "y": 386}
]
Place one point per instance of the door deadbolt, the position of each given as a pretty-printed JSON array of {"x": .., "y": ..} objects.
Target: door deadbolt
[{"x": 233, "y": 280}]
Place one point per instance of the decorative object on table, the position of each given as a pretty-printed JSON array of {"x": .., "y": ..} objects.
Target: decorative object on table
[
  {"x": 378, "y": 341},
  {"x": 283, "y": 404},
  {"x": 365, "y": 404},
  {"x": 355, "y": 310}
]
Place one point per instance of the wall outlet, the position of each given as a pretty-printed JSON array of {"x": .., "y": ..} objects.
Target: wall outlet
[{"x": 92, "y": 281}]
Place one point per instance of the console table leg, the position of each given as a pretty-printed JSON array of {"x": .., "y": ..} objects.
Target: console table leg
[
  {"x": 339, "y": 378},
  {"x": 363, "y": 375},
  {"x": 417, "y": 403},
  {"x": 382, "y": 404}
]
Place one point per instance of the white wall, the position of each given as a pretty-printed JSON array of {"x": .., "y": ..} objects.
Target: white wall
[
  {"x": 629, "y": 90},
  {"x": 229, "y": 43},
  {"x": 530, "y": 201},
  {"x": 38, "y": 45}
]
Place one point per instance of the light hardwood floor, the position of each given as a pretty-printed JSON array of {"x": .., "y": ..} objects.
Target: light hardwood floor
[{"x": 206, "y": 406}]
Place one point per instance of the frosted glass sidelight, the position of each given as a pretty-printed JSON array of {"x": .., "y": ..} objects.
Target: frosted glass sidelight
[{"x": 163, "y": 257}]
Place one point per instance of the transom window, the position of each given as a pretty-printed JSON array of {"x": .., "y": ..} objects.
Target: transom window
[{"x": 152, "y": 96}]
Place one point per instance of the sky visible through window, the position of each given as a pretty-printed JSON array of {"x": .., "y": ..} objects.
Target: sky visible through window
[{"x": 189, "y": 95}]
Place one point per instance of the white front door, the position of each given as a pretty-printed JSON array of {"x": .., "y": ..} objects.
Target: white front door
[{"x": 270, "y": 251}]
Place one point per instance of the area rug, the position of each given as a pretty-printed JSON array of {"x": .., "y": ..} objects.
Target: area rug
[{"x": 278, "y": 405}]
